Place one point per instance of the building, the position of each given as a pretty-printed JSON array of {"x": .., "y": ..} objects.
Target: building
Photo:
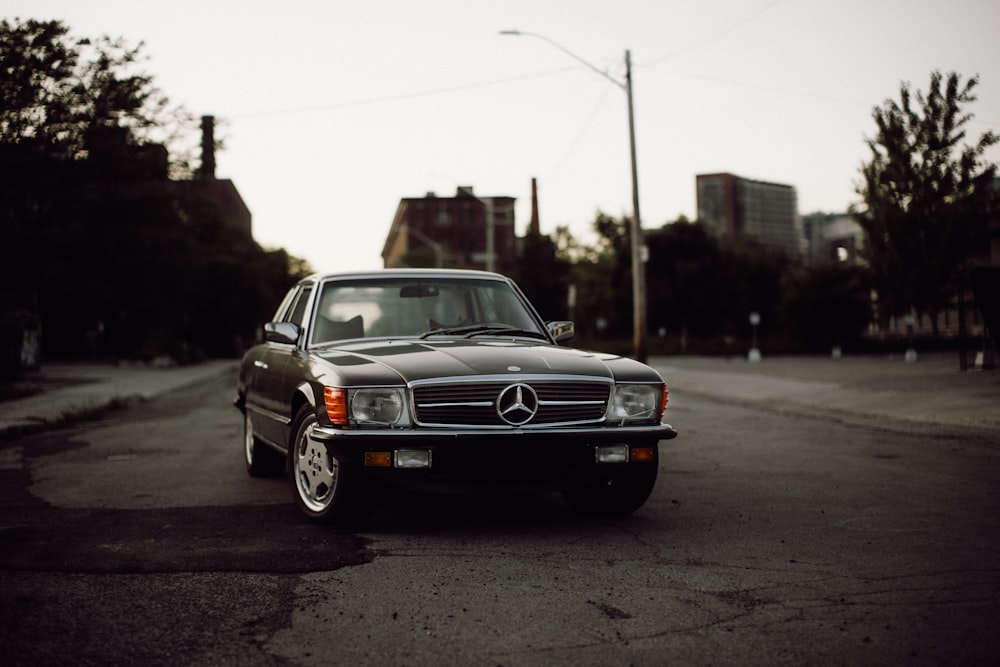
[
  {"x": 206, "y": 194},
  {"x": 735, "y": 207},
  {"x": 464, "y": 231},
  {"x": 832, "y": 237}
]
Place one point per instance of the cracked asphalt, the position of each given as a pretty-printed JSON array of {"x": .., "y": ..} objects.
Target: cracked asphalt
[{"x": 774, "y": 536}]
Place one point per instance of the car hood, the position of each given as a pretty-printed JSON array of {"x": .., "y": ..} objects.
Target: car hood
[{"x": 410, "y": 361}]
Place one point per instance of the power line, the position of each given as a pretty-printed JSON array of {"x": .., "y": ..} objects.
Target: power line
[
  {"x": 719, "y": 34},
  {"x": 400, "y": 97}
]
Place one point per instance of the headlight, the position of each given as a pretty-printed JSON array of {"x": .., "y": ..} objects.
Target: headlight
[
  {"x": 376, "y": 406},
  {"x": 635, "y": 402}
]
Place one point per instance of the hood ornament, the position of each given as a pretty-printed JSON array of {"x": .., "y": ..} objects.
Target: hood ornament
[{"x": 517, "y": 404}]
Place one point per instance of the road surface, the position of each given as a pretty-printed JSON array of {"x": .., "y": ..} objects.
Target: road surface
[{"x": 771, "y": 538}]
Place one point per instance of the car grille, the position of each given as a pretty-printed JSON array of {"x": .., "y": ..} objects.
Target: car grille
[{"x": 475, "y": 403}]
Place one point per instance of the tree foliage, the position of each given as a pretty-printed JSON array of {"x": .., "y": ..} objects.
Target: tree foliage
[
  {"x": 926, "y": 195},
  {"x": 119, "y": 260},
  {"x": 700, "y": 290},
  {"x": 824, "y": 306},
  {"x": 543, "y": 276},
  {"x": 64, "y": 95}
]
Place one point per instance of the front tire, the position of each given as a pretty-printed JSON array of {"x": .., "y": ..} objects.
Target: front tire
[
  {"x": 326, "y": 489},
  {"x": 622, "y": 494}
]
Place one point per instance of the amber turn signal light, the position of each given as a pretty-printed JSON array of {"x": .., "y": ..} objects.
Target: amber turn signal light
[
  {"x": 335, "y": 400},
  {"x": 378, "y": 459},
  {"x": 639, "y": 454}
]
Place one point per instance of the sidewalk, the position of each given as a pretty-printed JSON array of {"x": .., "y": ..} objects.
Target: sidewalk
[
  {"x": 67, "y": 390},
  {"x": 931, "y": 390}
]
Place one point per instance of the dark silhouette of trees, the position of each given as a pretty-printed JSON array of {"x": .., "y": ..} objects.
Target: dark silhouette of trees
[
  {"x": 824, "y": 306},
  {"x": 600, "y": 279},
  {"x": 684, "y": 294},
  {"x": 700, "y": 289},
  {"x": 925, "y": 196},
  {"x": 120, "y": 263},
  {"x": 543, "y": 276}
]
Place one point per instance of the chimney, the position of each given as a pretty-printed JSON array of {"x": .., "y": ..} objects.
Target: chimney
[
  {"x": 533, "y": 226},
  {"x": 207, "y": 170}
]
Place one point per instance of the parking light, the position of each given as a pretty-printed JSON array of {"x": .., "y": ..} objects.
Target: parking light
[
  {"x": 378, "y": 459},
  {"x": 641, "y": 454}
]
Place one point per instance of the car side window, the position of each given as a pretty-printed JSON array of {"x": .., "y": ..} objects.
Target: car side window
[{"x": 297, "y": 313}]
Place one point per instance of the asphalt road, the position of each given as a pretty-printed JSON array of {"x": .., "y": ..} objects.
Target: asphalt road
[{"x": 771, "y": 538}]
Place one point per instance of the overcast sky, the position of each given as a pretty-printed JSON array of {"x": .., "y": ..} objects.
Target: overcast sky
[{"x": 332, "y": 111}]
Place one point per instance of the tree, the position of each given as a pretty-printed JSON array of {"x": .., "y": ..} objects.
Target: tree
[
  {"x": 594, "y": 277},
  {"x": 685, "y": 294},
  {"x": 119, "y": 260},
  {"x": 824, "y": 306},
  {"x": 925, "y": 196},
  {"x": 609, "y": 276},
  {"x": 37, "y": 63},
  {"x": 63, "y": 95},
  {"x": 543, "y": 275}
]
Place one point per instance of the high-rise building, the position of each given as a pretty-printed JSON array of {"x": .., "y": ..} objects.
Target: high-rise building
[{"x": 735, "y": 207}]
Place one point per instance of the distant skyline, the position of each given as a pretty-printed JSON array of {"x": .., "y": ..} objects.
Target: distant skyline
[{"x": 332, "y": 111}]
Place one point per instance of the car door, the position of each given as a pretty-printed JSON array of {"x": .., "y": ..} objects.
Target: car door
[{"x": 272, "y": 408}]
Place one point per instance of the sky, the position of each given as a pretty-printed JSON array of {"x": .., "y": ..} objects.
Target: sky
[{"x": 331, "y": 111}]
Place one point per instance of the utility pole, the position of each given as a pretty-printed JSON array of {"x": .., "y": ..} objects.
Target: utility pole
[
  {"x": 635, "y": 229},
  {"x": 638, "y": 263}
]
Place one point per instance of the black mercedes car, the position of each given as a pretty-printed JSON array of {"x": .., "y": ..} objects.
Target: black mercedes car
[{"x": 442, "y": 381}]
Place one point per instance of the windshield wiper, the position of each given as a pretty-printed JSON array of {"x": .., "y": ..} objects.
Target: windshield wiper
[
  {"x": 512, "y": 331},
  {"x": 457, "y": 331},
  {"x": 471, "y": 330}
]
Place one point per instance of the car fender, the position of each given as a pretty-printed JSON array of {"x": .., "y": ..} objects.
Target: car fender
[{"x": 306, "y": 390}]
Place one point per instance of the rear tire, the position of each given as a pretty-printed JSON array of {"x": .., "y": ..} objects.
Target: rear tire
[
  {"x": 261, "y": 460},
  {"x": 326, "y": 489},
  {"x": 622, "y": 494}
]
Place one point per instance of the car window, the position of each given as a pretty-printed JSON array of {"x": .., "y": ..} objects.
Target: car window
[
  {"x": 297, "y": 313},
  {"x": 502, "y": 306},
  {"x": 376, "y": 308}
]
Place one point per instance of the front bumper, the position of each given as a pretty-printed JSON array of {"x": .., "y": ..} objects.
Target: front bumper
[{"x": 494, "y": 461}]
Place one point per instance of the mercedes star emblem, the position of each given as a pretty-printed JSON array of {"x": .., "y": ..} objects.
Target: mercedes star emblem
[{"x": 517, "y": 404}]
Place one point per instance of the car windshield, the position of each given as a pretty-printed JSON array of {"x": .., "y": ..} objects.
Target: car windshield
[{"x": 420, "y": 307}]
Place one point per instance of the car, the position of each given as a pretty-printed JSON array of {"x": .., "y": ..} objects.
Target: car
[{"x": 442, "y": 381}]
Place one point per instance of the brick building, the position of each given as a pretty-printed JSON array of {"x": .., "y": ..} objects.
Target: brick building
[{"x": 464, "y": 231}]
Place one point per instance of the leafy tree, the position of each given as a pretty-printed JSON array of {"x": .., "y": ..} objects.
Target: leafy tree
[
  {"x": 603, "y": 280},
  {"x": 925, "y": 196},
  {"x": 38, "y": 63},
  {"x": 121, "y": 261},
  {"x": 590, "y": 275},
  {"x": 543, "y": 275},
  {"x": 62, "y": 96},
  {"x": 824, "y": 306},
  {"x": 684, "y": 295}
]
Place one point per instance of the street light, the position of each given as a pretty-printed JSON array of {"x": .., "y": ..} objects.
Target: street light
[{"x": 638, "y": 270}]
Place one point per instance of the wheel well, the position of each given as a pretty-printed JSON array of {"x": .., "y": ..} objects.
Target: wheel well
[{"x": 298, "y": 400}]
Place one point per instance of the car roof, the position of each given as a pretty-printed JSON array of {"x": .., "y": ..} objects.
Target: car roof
[{"x": 403, "y": 273}]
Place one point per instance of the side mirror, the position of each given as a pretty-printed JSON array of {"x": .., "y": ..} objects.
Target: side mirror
[
  {"x": 282, "y": 332},
  {"x": 561, "y": 330}
]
